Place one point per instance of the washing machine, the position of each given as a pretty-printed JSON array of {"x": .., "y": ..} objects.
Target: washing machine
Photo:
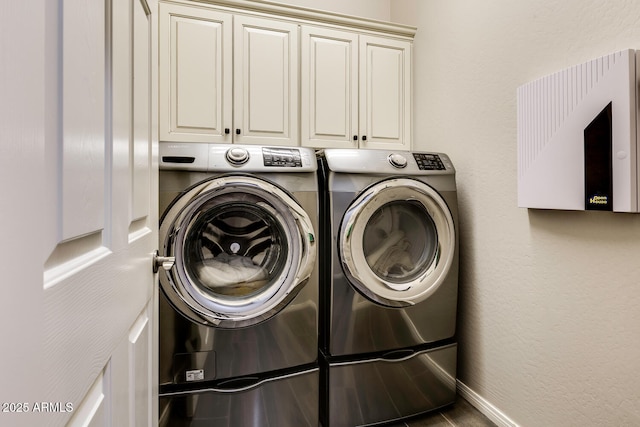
[
  {"x": 389, "y": 283},
  {"x": 238, "y": 308}
]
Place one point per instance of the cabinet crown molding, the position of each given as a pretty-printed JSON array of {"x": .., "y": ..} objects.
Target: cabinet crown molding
[{"x": 309, "y": 15}]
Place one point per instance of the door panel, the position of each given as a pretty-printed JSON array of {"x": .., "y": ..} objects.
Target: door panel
[
  {"x": 266, "y": 81},
  {"x": 385, "y": 93},
  {"x": 92, "y": 411},
  {"x": 130, "y": 375},
  {"x": 140, "y": 347},
  {"x": 83, "y": 124},
  {"x": 195, "y": 74},
  {"x": 141, "y": 156},
  {"x": 329, "y": 82}
]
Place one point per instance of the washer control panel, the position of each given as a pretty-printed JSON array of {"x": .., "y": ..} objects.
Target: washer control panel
[
  {"x": 431, "y": 162},
  {"x": 282, "y": 157}
]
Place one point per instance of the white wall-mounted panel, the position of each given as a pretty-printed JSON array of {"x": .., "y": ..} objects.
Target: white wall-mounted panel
[{"x": 553, "y": 113}]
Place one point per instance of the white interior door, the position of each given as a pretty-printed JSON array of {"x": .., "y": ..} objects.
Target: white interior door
[{"x": 79, "y": 203}]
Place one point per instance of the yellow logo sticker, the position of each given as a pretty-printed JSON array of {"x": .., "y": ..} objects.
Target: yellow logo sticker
[{"x": 599, "y": 200}]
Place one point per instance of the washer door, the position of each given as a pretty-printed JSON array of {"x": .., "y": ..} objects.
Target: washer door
[
  {"x": 243, "y": 249},
  {"x": 397, "y": 242}
]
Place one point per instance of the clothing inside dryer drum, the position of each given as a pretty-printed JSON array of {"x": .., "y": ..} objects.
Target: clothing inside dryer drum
[
  {"x": 400, "y": 241},
  {"x": 235, "y": 249}
]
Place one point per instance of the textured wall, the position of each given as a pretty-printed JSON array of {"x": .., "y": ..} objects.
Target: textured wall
[{"x": 549, "y": 321}]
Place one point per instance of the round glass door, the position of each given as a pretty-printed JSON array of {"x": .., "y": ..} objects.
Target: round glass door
[
  {"x": 243, "y": 248},
  {"x": 397, "y": 242}
]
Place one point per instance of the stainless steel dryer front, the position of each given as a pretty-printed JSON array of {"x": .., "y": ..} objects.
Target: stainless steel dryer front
[
  {"x": 389, "y": 284},
  {"x": 239, "y": 308}
]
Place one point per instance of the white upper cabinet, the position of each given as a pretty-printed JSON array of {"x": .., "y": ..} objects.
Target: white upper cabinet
[
  {"x": 356, "y": 90},
  {"x": 282, "y": 75},
  {"x": 265, "y": 81},
  {"x": 385, "y": 93},
  {"x": 329, "y": 89},
  {"x": 195, "y": 74},
  {"x": 226, "y": 78}
]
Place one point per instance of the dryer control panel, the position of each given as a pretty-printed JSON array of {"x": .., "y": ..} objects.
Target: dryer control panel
[
  {"x": 360, "y": 160},
  {"x": 429, "y": 162}
]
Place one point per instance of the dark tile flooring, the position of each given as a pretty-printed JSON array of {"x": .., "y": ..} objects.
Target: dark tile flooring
[{"x": 460, "y": 414}]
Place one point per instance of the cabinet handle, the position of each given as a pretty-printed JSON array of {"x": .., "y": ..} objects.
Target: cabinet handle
[
  {"x": 227, "y": 131},
  {"x": 355, "y": 137},
  {"x": 364, "y": 137},
  {"x": 237, "y": 131}
]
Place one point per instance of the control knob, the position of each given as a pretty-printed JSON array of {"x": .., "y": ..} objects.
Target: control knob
[
  {"x": 237, "y": 156},
  {"x": 397, "y": 160}
]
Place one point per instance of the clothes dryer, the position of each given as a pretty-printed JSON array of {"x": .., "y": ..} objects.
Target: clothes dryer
[
  {"x": 389, "y": 285},
  {"x": 238, "y": 310}
]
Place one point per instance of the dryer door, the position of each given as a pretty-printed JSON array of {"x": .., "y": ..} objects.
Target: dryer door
[
  {"x": 397, "y": 242},
  {"x": 243, "y": 249}
]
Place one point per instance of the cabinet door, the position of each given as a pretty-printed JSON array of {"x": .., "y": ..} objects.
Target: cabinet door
[
  {"x": 385, "y": 93},
  {"x": 265, "y": 81},
  {"x": 329, "y": 88},
  {"x": 195, "y": 74}
]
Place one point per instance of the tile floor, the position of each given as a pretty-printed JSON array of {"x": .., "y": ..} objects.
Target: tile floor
[{"x": 460, "y": 414}]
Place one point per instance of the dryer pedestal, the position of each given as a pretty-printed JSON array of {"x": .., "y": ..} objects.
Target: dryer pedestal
[{"x": 378, "y": 390}]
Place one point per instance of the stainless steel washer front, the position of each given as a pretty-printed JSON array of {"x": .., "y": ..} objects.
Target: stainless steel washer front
[{"x": 243, "y": 248}]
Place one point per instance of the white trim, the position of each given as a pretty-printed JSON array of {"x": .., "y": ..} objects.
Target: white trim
[{"x": 484, "y": 406}]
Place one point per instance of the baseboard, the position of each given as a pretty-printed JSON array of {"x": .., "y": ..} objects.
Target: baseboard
[{"x": 482, "y": 405}]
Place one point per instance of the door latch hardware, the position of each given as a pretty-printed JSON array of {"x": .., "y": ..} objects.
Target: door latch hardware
[{"x": 166, "y": 262}]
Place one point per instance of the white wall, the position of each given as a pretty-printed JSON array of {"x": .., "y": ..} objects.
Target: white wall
[
  {"x": 549, "y": 321},
  {"x": 372, "y": 9}
]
